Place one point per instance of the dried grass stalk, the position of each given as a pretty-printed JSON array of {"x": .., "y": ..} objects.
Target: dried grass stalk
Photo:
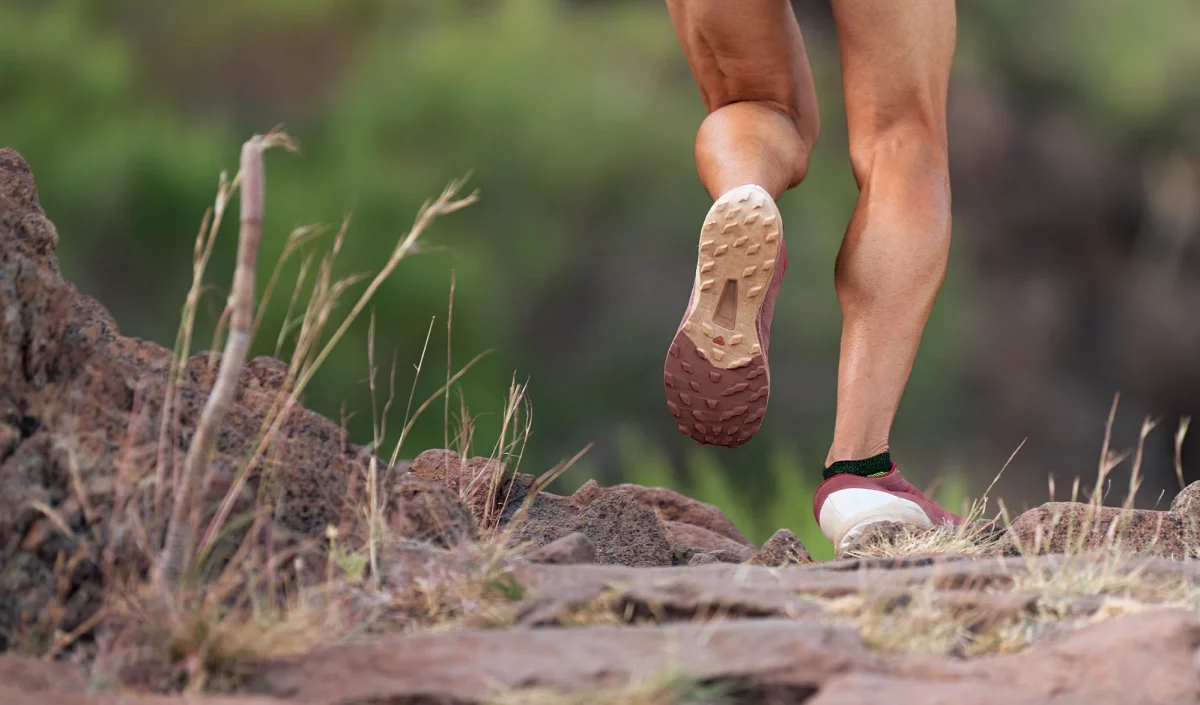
[{"x": 180, "y": 531}]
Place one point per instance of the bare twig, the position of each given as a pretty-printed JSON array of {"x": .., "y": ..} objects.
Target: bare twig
[
  {"x": 1180, "y": 435},
  {"x": 177, "y": 546},
  {"x": 374, "y": 510},
  {"x": 449, "y": 364}
]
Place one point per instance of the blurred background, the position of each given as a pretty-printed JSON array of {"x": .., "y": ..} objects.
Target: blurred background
[{"x": 1075, "y": 267}]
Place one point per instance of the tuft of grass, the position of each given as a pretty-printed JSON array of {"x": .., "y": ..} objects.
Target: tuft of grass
[
  {"x": 1108, "y": 575},
  {"x": 1086, "y": 523},
  {"x": 1064, "y": 596},
  {"x": 243, "y": 592},
  {"x": 477, "y": 588},
  {"x": 972, "y": 538}
]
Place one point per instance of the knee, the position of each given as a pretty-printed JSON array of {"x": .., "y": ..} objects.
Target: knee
[{"x": 911, "y": 145}]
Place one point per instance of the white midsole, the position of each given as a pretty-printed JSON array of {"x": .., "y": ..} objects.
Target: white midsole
[{"x": 847, "y": 512}]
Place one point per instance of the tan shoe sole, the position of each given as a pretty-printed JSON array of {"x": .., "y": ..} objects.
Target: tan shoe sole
[{"x": 716, "y": 376}]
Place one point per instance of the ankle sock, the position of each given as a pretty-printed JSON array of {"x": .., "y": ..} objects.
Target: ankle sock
[{"x": 875, "y": 466}]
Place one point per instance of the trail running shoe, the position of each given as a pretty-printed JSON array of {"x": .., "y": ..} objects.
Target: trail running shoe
[
  {"x": 845, "y": 504},
  {"x": 716, "y": 374}
]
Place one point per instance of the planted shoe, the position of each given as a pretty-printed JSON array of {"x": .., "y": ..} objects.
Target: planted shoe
[{"x": 846, "y": 504}]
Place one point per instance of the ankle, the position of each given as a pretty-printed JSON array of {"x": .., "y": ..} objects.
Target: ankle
[
  {"x": 874, "y": 466},
  {"x": 855, "y": 451}
]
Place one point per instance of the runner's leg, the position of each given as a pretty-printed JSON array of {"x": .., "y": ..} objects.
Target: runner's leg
[
  {"x": 748, "y": 59},
  {"x": 896, "y": 59},
  {"x": 749, "y": 62}
]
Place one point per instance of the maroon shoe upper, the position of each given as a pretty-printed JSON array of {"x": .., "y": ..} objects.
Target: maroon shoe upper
[
  {"x": 892, "y": 483},
  {"x": 768, "y": 308}
]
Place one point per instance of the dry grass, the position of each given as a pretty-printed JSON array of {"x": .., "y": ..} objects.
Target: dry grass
[
  {"x": 476, "y": 588},
  {"x": 924, "y": 623},
  {"x": 1087, "y": 586},
  {"x": 973, "y": 538},
  {"x": 1110, "y": 576},
  {"x": 1041, "y": 598},
  {"x": 235, "y": 601}
]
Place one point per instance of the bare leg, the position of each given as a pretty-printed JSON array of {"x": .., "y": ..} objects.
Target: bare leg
[
  {"x": 896, "y": 60},
  {"x": 748, "y": 59}
]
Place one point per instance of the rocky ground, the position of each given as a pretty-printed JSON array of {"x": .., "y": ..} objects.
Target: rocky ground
[{"x": 478, "y": 587}]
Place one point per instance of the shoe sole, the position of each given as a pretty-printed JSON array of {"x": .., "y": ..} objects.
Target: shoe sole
[
  {"x": 716, "y": 374},
  {"x": 845, "y": 514}
]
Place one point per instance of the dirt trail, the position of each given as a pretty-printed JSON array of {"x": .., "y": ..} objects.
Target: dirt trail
[{"x": 491, "y": 591}]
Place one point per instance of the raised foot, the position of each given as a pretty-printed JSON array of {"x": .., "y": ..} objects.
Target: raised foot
[{"x": 716, "y": 376}]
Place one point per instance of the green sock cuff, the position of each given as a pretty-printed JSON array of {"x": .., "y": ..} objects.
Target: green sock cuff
[{"x": 874, "y": 466}]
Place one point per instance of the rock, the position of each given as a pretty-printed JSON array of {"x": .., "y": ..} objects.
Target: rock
[
  {"x": 609, "y": 517},
  {"x": 11, "y": 696},
  {"x": 1186, "y": 504},
  {"x": 544, "y": 520},
  {"x": 1146, "y": 658},
  {"x": 587, "y": 493},
  {"x": 791, "y": 654},
  {"x": 1143, "y": 658},
  {"x": 428, "y": 511},
  {"x": 77, "y": 399},
  {"x": 623, "y": 531},
  {"x": 29, "y": 681},
  {"x": 1065, "y": 527},
  {"x": 495, "y": 496},
  {"x": 685, "y": 600},
  {"x": 688, "y": 540},
  {"x": 865, "y": 689},
  {"x": 30, "y": 675},
  {"x": 571, "y": 549},
  {"x": 830, "y": 580},
  {"x": 672, "y": 506},
  {"x": 879, "y": 534},
  {"x": 715, "y": 557},
  {"x": 452, "y": 470},
  {"x": 782, "y": 549}
]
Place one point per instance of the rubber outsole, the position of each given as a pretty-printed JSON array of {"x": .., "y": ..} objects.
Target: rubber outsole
[
  {"x": 714, "y": 406},
  {"x": 716, "y": 376}
]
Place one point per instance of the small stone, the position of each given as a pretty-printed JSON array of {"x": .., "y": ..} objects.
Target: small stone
[
  {"x": 687, "y": 540},
  {"x": 1187, "y": 502},
  {"x": 780, "y": 550},
  {"x": 428, "y": 511},
  {"x": 587, "y": 493},
  {"x": 572, "y": 549},
  {"x": 672, "y": 506},
  {"x": 715, "y": 557},
  {"x": 624, "y": 532}
]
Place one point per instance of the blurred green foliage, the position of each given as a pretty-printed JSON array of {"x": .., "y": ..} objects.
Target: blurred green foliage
[
  {"x": 577, "y": 125},
  {"x": 576, "y": 121}
]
